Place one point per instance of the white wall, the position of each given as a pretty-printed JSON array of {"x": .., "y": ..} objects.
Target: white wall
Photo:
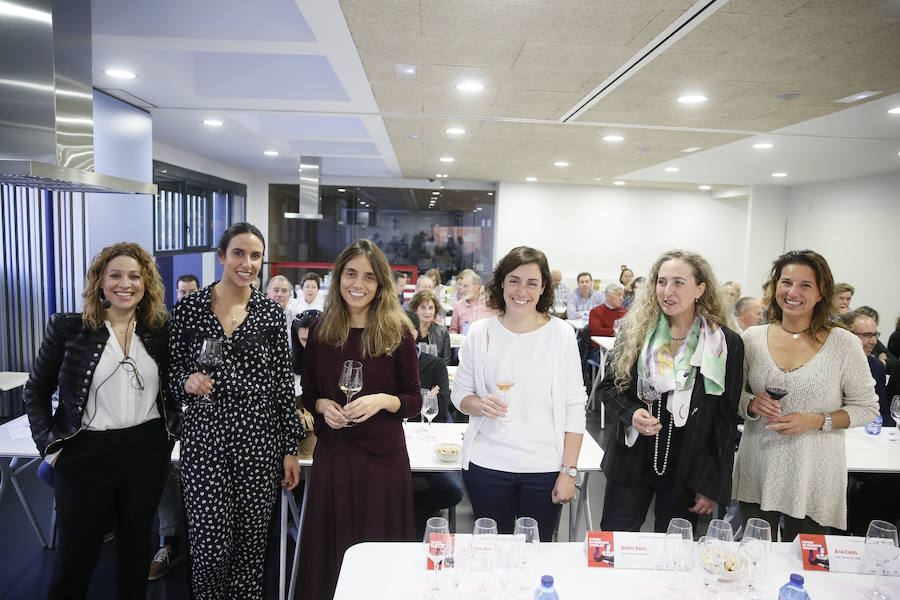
[
  {"x": 597, "y": 229},
  {"x": 854, "y": 224},
  {"x": 766, "y": 230}
]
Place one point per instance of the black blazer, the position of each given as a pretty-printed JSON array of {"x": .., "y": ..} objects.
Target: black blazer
[
  {"x": 439, "y": 335},
  {"x": 707, "y": 452},
  {"x": 432, "y": 372},
  {"x": 67, "y": 358}
]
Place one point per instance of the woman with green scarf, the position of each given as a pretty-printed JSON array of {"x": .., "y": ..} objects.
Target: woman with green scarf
[{"x": 672, "y": 391}]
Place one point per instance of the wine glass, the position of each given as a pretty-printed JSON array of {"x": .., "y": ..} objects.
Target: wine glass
[
  {"x": 895, "y": 410},
  {"x": 710, "y": 561},
  {"x": 210, "y": 359},
  {"x": 678, "y": 544},
  {"x": 350, "y": 382},
  {"x": 526, "y": 544},
  {"x": 484, "y": 540},
  {"x": 881, "y": 548},
  {"x": 647, "y": 393},
  {"x": 753, "y": 559},
  {"x": 777, "y": 384},
  {"x": 437, "y": 545},
  {"x": 720, "y": 529},
  {"x": 429, "y": 411}
]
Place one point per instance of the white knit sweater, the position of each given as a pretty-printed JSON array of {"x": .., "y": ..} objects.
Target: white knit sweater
[{"x": 805, "y": 474}]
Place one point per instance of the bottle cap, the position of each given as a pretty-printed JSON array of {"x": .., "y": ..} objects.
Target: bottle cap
[
  {"x": 547, "y": 580},
  {"x": 796, "y": 579}
]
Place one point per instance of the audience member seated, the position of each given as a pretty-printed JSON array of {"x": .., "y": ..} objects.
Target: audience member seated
[
  {"x": 399, "y": 285},
  {"x": 472, "y": 307},
  {"x": 626, "y": 278},
  {"x": 299, "y": 337},
  {"x": 425, "y": 306},
  {"x": 865, "y": 328},
  {"x": 880, "y": 351},
  {"x": 893, "y": 345},
  {"x": 280, "y": 290},
  {"x": 186, "y": 284},
  {"x": 583, "y": 299},
  {"x": 731, "y": 291},
  {"x": 636, "y": 284},
  {"x": 310, "y": 298},
  {"x": 748, "y": 311},
  {"x": 560, "y": 294},
  {"x": 843, "y": 293},
  {"x": 603, "y": 317}
]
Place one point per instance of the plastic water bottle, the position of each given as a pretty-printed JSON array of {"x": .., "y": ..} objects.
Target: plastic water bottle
[
  {"x": 584, "y": 319},
  {"x": 465, "y": 329},
  {"x": 793, "y": 589},
  {"x": 546, "y": 591},
  {"x": 874, "y": 428}
]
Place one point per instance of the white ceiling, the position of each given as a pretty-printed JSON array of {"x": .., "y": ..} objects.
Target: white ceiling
[{"x": 319, "y": 78}]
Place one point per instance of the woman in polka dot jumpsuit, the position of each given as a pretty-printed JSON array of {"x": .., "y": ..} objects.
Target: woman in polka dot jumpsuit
[{"x": 241, "y": 429}]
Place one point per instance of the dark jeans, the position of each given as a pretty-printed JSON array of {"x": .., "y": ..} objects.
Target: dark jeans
[
  {"x": 506, "y": 496},
  {"x": 625, "y": 506},
  {"x": 100, "y": 474},
  {"x": 792, "y": 525},
  {"x": 444, "y": 491}
]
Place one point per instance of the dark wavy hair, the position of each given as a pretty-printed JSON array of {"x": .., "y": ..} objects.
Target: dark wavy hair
[
  {"x": 823, "y": 311},
  {"x": 515, "y": 258}
]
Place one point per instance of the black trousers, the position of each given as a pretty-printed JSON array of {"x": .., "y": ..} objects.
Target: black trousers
[
  {"x": 625, "y": 506},
  {"x": 104, "y": 476}
]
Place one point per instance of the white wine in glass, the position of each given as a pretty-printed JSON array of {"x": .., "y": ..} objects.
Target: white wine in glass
[
  {"x": 504, "y": 387},
  {"x": 350, "y": 382}
]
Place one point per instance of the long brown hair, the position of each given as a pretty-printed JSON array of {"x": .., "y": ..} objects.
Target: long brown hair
[
  {"x": 151, "y": 310},
  {"x": 824, "y": 309},
  {"x": 385, "y": 321},
  {"x": 644, "y": 312}
]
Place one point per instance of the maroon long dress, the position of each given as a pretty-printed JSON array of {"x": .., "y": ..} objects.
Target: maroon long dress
[{"x": 360, "y": 487}]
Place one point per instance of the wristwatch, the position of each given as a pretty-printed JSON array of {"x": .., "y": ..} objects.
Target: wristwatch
[
  {"x": 568, "y": 470},
  {"x": 827, "y": 425}
]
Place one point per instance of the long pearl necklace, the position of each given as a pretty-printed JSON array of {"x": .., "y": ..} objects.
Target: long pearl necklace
[{"x": 656, "y": 468}]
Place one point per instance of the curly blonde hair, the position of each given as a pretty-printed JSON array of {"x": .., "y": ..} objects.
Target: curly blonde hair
[
  {"x": 644, "y": 312},
  {"x": 151, "y": 310}
]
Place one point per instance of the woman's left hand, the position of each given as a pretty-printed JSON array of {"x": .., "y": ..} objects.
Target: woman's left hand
[
  {"x": 364, "y": 407},
  {"x": 291, "y": 472},
  {"x": 702, "y": 505},
  {"x": 563, "y": 490},
  {"x": 794, "y": 423}
]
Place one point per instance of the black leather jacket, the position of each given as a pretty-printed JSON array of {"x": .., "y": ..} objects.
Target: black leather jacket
[{"x": 67, "y": 358}]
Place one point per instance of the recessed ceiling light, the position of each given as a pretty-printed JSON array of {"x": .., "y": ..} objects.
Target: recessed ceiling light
[
  {"x": 598, "y": 179},
  {"x": 857, "y": 97},
  {"x": 271, "y": 152},
  {"x": 447, "y": 159},
  {"x": 763, "y": 146},
  {"x": 618, "y": 183},
  {"x": 692, "y": 149},
  {"x": 405, "y": 71},
  {"x": 560, "y": 163},
  {"x": 672, "y": 169},
  {"x": 612, "y": 138},
  {"x": 212, "y": 122},
  {"x": 692, "y": 99},
  {"x": 490, "y": 193},
  {"x": 435, "y": 193},
  {"x": 705, "y": 187},
  {"x": 532, "y": 179},
  {"x": 455, "y": 130},
  {"x": 894, "y": 111},
  {"x": 479, "y": 208},
  {"x": 120, "y": 73},
  {"x": 413, "y": 136},
  {"x": 470, "y": 86},
  {"x": 342, "y": 189},
  {"x": 779, "y": 174}
]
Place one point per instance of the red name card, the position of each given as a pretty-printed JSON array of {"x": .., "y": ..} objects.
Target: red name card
[
  {"x": 626, "y": 550},
  {"x": 841, "y": 554}
]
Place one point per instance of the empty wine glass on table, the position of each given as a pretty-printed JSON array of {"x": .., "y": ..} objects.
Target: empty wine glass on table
[
  {"x": 679, "y": 542},
  {"x": 484, "y": 540},
  {"x": 720, "y": 529},
  {"x": 895, "y": 410},
  {"x": 710, "y": 561},
  {"x": 753, "y": 561},
  {"x": 437, "y": 544},
  {"x": 526, "y": 545},
  {"x": 209, "y": 360},
  {"x": 429, "y": 411},
  {"x": 350, "y": 382},
  {"x": 881, "y": 548}
]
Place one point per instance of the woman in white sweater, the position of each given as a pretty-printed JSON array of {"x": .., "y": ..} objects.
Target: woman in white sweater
[
  {"x": 791, "y": 460},
  {"x": 522, "y": 443}
]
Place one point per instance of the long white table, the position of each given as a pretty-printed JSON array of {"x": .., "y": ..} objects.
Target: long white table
[
  {"x": 10, "y": 380},
  {"x": 423, "y": 460},
  {"x": 872, "y": 453},
  {"x": 379, "y": 570}
]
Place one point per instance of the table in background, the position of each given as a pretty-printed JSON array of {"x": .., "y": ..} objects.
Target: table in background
[
  {"x": 382, "y": 570},
  {"x": 872, "y": 453},
  {"x": 422, "y": 459},
  {"x": 10, "y": 380},
  {"x": 17, "y": 445}
]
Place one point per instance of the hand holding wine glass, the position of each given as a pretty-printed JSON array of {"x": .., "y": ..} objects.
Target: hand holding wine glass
[
  {"x": 642, "y": 419},
  {"x": 350, "y": 382},
  {"x": 209, "y": 360}
]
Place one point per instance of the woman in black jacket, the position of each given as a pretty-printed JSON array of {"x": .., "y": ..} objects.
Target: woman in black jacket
[
  {"x": 111, "y": 436},
  {"x": 678, "y": 448}
]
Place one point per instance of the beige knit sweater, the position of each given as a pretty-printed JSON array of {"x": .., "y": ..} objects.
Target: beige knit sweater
[{"x": 805, "y": 474}]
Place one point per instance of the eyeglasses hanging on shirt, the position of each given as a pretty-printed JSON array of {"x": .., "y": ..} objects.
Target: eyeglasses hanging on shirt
[{"x": 137, "y": 382}]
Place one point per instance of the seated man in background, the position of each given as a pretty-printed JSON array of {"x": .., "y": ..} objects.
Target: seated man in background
[
  {"x": 880, "y": 351},
  {"x": 843, "y": 294},
  {"x": 583, "y": 299},
  {"x": 731, "y": 290},
  {"x": 472, "y": 305},
  {"x": 560, "y": 294},
  {"x": 604, "y": 316},
  {"x": 748, "y": 311},
  {"x": 280, "y": 290},
  {"x": 186, "y": 284},
  {"x": 399, "y": 285}
]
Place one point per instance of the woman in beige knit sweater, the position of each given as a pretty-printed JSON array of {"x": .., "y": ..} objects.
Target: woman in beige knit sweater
[{"x": 791, "y": 459}]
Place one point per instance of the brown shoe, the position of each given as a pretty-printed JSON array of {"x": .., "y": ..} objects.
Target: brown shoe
[{"x": 166, "y": 558}]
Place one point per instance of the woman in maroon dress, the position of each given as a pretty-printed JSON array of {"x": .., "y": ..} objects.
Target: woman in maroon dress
[{"x": 360, "y": 486}]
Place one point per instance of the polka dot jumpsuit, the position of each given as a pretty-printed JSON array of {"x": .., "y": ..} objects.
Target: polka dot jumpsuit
[{"x": 232, "y": 449}]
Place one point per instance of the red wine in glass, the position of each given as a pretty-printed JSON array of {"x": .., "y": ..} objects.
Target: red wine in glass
[{"x": 776, "y": 393}]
